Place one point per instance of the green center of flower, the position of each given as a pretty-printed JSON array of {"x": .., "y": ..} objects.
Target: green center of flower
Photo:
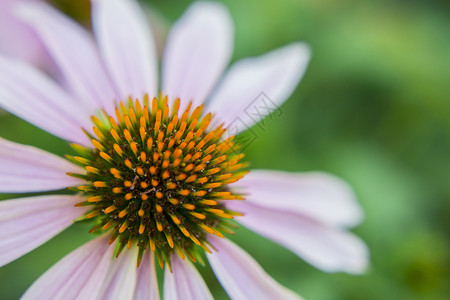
[{"x": 159, "y": 179}]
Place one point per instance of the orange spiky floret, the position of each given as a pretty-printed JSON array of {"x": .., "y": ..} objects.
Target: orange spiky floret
[{"x": 167, "y": 175}]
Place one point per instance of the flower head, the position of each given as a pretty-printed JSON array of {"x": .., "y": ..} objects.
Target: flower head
[
  {"x": 158, "y": 178},
  {"x": 156, "y": 172}
]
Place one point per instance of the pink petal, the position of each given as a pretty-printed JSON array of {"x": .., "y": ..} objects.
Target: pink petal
[
  {"x": 254, "y": 87},
  {"x": 316, "y": 195},
  {"x": 120, "y": 281},
  {"x": 185, "y": 283},
  {"x": 28, "y": 169},
  {"x": 16, "y": 39},
  {"x": 74, "y": 51},
  {"x": 127, "y": 46},
  {"x": 31, "y": 95},
  {"x": 147, "y": 284},
  {"x": 198, "y": 49},
  {"x": 329, "y": 249},
  {"x": 27, "y": 223},
  {"x": 241, "y": 276},
  {"x": 79, "y": 275}
]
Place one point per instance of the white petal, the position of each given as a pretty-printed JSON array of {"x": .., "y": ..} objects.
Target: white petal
[
  {"x": 185, "y": 283},
  {"x": 31, "y": 95},
  {"x": 241, "y": 276},
  {"x": 127, "y": 45},
  {"x": 28, "y": 169},
  {"x": 147, "y": 284},
  {"x": 120, "y": 281},
  {"x": 255, "y": 87},
  {"x": 74, "y": 51},
  {"x": 27, "y": 223},
  {"x": 329, "y": 249},
  {"x": 197, "y": 51},
  {"x": 316, "y": 195},
  {"x": 78, "y": 275}
]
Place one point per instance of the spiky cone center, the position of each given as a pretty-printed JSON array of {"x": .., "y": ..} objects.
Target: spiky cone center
[{"x": 159, "y": 179}]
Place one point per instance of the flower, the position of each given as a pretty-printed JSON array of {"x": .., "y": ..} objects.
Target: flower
[{"x": 155, "y": 173}]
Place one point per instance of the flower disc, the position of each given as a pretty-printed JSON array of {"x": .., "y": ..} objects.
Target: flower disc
[{"x": 158, "y": 179}]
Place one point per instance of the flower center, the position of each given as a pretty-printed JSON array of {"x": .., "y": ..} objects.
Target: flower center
[{"x": 159, "y": 179}]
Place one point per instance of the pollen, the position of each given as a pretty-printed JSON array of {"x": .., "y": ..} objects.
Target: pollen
[{"x": 159, "y": 178}]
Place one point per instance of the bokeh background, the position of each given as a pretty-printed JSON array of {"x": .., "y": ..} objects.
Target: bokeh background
[{"x": 373, "y": 108}]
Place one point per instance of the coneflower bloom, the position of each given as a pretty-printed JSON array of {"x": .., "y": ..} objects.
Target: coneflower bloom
[{"x": 156, "y": 172}]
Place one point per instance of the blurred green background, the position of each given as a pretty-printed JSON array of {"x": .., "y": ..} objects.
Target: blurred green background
[{"x": 373, "y": 108}]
